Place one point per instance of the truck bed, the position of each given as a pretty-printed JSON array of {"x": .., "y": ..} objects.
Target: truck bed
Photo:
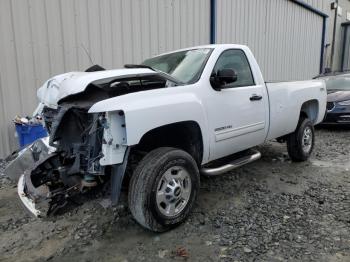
[{"x": 285, "y": 97}]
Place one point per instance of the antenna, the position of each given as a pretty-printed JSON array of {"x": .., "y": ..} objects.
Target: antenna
[{"x": 87, "y": 53}]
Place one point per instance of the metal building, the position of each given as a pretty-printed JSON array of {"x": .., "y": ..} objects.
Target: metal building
[
  {"x": 42, "y": 38},
  {"x": 285, "y": 38}
]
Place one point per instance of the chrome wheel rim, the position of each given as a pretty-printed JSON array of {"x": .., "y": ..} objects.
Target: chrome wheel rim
[
  {"x": 307, "y": 140},
  {"x": 173, "y": 191}
]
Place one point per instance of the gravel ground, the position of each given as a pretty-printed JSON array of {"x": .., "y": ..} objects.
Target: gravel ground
[{"x": 270, "y": 210}]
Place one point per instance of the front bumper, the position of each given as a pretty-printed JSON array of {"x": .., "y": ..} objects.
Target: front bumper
[
  {"x": 27, "y": 157},
  {"x": 338, "y": 115},
  {"x": 27, "y": 202},
  {"x": 337, "y": 118},
  {"x": 35, "y": 199}
]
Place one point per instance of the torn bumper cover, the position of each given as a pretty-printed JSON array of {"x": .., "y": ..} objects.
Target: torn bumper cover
[
  {"x": 42, "y": 190},
  {"x": 26, "y": 158},
  {"x": 28, "y": 202},
  {"x": 18, "y": 170}
]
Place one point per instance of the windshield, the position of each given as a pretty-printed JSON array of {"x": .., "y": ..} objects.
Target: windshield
[
  {"x": 185, "y": 66},
  {"x": 338, "y": 83}
]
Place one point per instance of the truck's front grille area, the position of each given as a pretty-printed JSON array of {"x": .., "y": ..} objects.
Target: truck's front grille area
[{"x": 330, "y": 106}]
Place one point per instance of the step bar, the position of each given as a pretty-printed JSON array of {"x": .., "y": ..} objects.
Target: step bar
[{"x": 255, "y": 155}]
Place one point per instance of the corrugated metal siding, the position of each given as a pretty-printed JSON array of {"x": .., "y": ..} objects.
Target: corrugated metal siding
[
  {"x": 42, "y": 38},
  {"x": 285, "y": 38},
  {"x": 322, "y": 5},
  {"x": 345, "y": 5},
  {"x": 325, "y": 6}
]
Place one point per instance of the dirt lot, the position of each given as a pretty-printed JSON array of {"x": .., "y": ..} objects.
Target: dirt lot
[{"x": 271, "y": 210}]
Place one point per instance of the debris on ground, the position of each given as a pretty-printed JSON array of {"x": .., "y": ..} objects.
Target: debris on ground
[
  {"x": 182, "y": 252},
  {"x": 267, "y": 211}
]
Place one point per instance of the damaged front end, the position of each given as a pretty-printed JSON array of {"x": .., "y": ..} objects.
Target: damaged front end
[
  {"x": 91, "y": 149},
  {"x": 74, "y": 166}
]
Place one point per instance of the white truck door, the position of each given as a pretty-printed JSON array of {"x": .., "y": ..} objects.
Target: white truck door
[{"x": 237, "y": 112}]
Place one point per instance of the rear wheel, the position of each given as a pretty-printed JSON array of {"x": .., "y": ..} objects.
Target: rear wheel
[
  {"x": 163, "y": 188},
  {"x": 301, "y": 143}
]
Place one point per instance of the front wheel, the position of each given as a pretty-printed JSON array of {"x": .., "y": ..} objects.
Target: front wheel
[
  {"x": 163, "y": 188},
  {"x": 301, "y": 143}
]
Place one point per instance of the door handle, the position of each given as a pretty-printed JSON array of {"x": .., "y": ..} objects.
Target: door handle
[{"x": 255, "y": 97}]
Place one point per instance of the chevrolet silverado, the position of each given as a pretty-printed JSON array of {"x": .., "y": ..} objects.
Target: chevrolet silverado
[{"x": 154, "y": 128}]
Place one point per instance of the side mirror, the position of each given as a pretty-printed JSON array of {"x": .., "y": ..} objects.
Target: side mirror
[{"x": 223, "y": 77}]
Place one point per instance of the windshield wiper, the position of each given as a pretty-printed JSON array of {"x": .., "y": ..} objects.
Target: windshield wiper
[
  {"x": 166, "y": 75},
  {"x": 139, "y": 66}
]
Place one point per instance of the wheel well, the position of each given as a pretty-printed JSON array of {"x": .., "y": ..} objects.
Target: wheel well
[
  {"x": 310, "y": 110},
  {"x": 185, "y": 135}
]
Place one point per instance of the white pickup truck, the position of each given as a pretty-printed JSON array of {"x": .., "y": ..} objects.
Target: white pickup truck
[{"x": 193, "y": 111}]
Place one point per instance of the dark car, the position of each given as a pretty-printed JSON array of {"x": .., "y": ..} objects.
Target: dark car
[{"x": 338, "y": 99}]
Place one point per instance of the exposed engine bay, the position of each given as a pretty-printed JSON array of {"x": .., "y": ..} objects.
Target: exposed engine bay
[{"x": 80, "y": 140}]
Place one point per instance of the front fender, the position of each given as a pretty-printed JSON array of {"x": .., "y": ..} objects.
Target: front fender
[{"x": 144, "y": 111}]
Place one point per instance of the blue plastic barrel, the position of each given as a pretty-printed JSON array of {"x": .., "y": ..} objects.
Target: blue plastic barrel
[{"x": 27, "y": 134}]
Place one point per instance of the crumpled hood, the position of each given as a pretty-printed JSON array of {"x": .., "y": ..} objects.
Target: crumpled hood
[
  {"x": 338, "y": 96},
  {"x": 67, "y": 84}
]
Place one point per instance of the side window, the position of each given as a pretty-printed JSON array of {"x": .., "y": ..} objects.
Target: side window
[{"x": 236, "y": 59}]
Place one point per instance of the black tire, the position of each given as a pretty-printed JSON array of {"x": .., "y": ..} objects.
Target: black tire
[
  {"x": 144, "y": 185},
  {"x": 295, "y": 141}
]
